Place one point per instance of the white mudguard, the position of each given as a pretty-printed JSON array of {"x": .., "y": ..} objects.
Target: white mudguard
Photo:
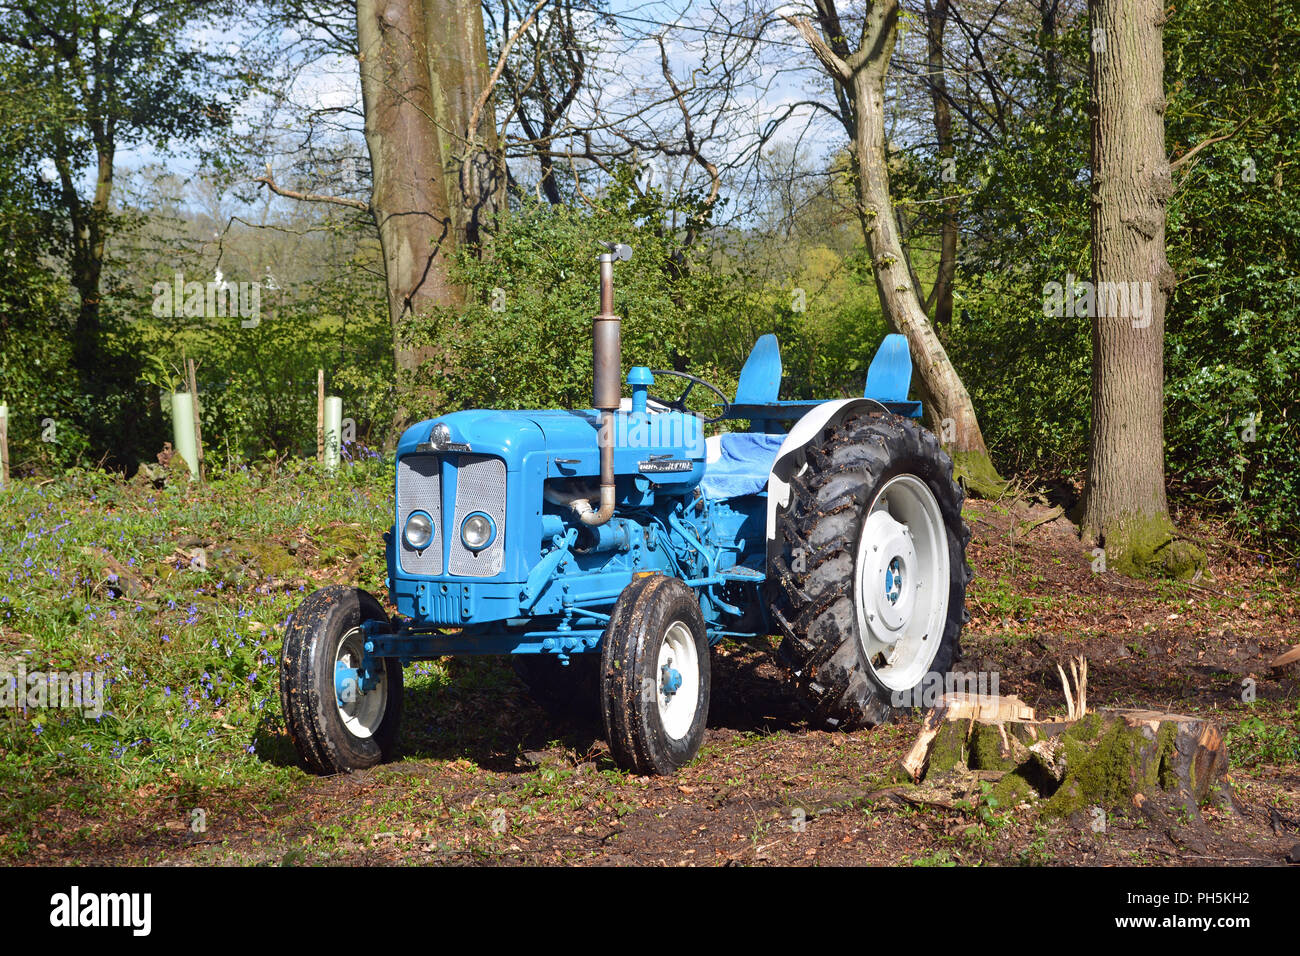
[{"x": 790, "y": 458}]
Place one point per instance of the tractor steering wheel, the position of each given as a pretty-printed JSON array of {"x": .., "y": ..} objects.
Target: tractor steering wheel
[{"x": 679, "y": 403}]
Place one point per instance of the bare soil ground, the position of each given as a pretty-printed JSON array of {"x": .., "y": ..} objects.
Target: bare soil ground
[{"x": 489, "y": 778}]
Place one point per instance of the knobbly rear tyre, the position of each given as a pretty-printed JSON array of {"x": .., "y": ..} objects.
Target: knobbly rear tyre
[{"x": 821, "y": 604}]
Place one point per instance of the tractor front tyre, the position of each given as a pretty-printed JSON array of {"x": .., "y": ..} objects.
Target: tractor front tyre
[
  {"x": 869, "y": 582},
  {"x": 655, "y": 676},
  {"x": 338, "y": 720}
]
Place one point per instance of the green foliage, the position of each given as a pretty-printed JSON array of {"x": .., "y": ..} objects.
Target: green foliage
[
  {"x": 35, "y": 349},
  {"x": 1027, "y": 225},
  {"x": 89, "y": 79},
  {"x": 1232, "y": 415},
  {"x": 1233, "y": 321},
  {"x": 257, "y": 385},
  {"x": 524, "y": 338},
  {"x": 1255, "y": 741}
]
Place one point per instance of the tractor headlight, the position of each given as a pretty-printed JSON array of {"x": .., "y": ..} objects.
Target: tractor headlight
[
  {"x": 477, "y": 531},
  {"x": 419, "y": 530}
]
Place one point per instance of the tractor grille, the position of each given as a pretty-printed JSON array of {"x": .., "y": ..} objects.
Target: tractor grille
[
  {"x": 419, "y": 487},
  {"x": 480, "y": 486}
]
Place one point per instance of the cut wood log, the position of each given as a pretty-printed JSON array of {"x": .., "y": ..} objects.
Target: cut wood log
[
  {"x": 956, "y": 708},
  {"x": 1116, "y": 759}
]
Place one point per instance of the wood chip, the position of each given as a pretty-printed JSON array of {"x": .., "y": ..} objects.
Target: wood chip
[{"x": 1290, "y": 657}]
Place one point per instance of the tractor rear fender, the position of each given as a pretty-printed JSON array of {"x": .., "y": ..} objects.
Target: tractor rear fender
[{"x": 790, "y": 457}]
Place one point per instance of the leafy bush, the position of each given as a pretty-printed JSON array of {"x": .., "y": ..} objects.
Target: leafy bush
[{"x": 524, "y": 338}]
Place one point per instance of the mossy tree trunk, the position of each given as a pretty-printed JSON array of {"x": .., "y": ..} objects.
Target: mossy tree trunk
[
  {"x": 1124, "y": 505},
  {"x": 859, "y": 77}
]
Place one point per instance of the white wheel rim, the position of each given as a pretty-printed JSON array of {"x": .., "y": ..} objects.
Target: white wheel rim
[
  {"x": 678, "y": 660},
  {"x": 365, "y": 712},
  {"x": 902, "y": 582}
]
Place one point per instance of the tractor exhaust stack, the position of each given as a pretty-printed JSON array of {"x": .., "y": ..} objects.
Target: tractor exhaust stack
[{"x": 606, "y": 365}]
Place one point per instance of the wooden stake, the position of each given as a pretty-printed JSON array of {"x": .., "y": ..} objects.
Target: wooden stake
[
  {"x": 320, "y": 414},
  {"x": 194, "y": 396},
  {"x": 4, "y": 449}
]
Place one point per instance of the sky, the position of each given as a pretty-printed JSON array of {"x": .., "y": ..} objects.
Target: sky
[{"x": 627, "y": 70}]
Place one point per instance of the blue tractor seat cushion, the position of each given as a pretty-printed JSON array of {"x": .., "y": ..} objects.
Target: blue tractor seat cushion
[{"x": 738, "y": 463}]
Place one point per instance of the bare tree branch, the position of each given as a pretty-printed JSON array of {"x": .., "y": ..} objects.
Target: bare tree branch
[{"x": 269, "y": 181}]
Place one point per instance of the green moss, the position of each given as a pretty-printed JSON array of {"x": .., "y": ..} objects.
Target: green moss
[
  {"x": 1148, "y": 546},
  {"x": 894, "y": 777},
  {"x": 1107, "y": 770},
  {"x": 949, "y": 752},
  {"x": 1087, "y": 728},
  {"x": 1012, "y": 790},
  {"x": 975, "y": 471},
  {"x": 269, "y": 557},
  {"x": 343, "y": 542},
  {"x": 985, "y": 749}
]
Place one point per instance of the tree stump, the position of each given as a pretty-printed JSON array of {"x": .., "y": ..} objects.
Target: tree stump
[{"x": 1114, "y": 759}]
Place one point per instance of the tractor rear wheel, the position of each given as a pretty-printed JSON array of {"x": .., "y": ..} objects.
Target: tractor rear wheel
[
  {"x": 654, "y": 670},
  {"x": 869, "y": 583}
]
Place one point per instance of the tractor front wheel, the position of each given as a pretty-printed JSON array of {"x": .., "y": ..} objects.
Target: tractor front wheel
[
  {"x": 655, "y": 676},
  {"x": 339, "y": 718}
]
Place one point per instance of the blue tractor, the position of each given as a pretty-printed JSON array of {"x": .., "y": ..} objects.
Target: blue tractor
[{"x": 607, "y": 549}]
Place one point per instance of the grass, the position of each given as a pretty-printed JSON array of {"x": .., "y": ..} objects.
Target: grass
[
  {"x": 176, "y": 598},
  {"x": 1005, "y": 598}
]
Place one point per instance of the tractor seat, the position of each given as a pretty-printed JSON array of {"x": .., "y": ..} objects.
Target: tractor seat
[{"x": 738, "y": 463}]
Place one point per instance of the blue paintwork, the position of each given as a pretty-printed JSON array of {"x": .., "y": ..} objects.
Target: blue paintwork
[
  {"x": 890, "y": 374},
  {"x": 640, "y": 378},
  {"x": 894, "y": 581},
  {"x": 347, "y": 681},
  {"x": 559, "y": 579},
  {"x": 760, "y": 377},
  {"x": 670, "y": 680}
]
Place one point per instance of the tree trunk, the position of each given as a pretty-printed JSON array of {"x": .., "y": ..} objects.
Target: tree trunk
[
  {"x": 409, "y": 199},
  {"x": 1109, "y": 761},
  {"x": 120, "y": 438},
  {"x": 474, "y": 169},
  {"x": 862, "y": 73},
  {"x": 86, "y": 222},
  {"x": 939, "y": 303},
  {"x": 1124, "y": 505}
]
